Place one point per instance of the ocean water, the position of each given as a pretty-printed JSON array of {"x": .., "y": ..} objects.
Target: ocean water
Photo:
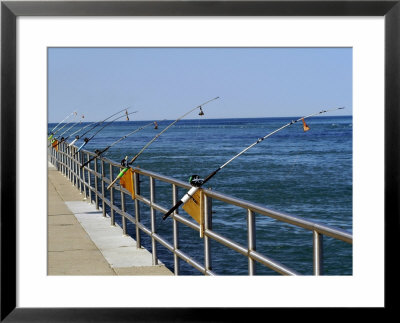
[{"x": 306, "y": 174}]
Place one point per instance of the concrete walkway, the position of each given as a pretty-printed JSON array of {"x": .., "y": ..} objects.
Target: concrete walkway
[{"x": 83, "y": 242}]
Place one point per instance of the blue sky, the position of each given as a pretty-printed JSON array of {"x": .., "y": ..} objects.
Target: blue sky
[{"x": 167, "y": 82}]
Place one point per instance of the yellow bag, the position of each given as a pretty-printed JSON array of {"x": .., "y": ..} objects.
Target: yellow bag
[
  {"x": 55, "y": 144},
  {"x": 126, "y": 181},
  {"x": 195, "y": 208}
]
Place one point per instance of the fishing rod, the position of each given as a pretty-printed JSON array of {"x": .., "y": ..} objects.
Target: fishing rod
[
  {"x": 126, "y": 164},
  {"x": 61, "y": 136},
  {"x": 52, "y": 135},
  {"x": 197, "y": 183},
  {"x": 76, "y": 123},
  {"x": 51, "y": 131},
  {"x": 62, "y": 139},
  {"x": 77, "y": 136},
  {"x": 100, "y": 152},
  {"x": 98, "y": 123},
  {"x": 86, "y": 140}
]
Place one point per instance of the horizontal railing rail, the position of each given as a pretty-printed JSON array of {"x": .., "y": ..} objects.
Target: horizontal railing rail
[{"x": 93, "y": 179}]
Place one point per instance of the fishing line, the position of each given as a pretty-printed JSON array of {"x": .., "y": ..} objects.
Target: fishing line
[{"x": 201, "y": 113}]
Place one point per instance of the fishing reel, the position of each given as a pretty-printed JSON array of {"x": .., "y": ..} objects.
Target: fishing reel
[
  {"x": 196, "y": 181},
  {"x": 124, "y": 162},
  {"x": 97, "y": 152},
  {"x": 77, "y": 137},
  {"x": 86, "y": 140}
]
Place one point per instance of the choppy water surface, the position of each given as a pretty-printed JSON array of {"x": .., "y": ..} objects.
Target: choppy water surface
[{"x": 307, "y": 174}]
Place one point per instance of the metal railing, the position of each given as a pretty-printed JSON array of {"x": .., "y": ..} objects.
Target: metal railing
[{"x": 92, "y": 181}]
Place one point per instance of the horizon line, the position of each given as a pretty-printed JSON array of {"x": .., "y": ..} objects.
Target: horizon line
[{"x": 324, "y": 116}]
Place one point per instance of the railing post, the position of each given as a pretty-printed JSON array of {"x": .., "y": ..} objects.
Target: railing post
[
  {"x": 60, "y": 148},
  {"x": 251, "y": 240},
  {"x": 207, "y": 226},
  {"x": 112, "y": 197},
  {"x": 136, "y": 183},
  {"x": 96, "y": 196},
  {"x": 69, "y": 162},
  {"x": 66, "y": 160},
  {"x": 59, "y": 160},
  {"x": 76, "y": 168},
  {"x": 73, "y": 165},
  {"x": 176, "y": 232},
  {"x": 153, "y": 220},
  {"x": 59, "y": 157},
  {"x": 79, "y": 169},
  {"x": 56, "y": 158},
  {"x": 89, "y": 180},
  {"x": 123, "y": 210},
  {"x": 103, "y": 174},
  {"x": 79, "y": 155},
  {"x": 318, "y": 254}
]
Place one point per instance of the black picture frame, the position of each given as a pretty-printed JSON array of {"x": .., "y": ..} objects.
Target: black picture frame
[{"x": 10, "y": 10}]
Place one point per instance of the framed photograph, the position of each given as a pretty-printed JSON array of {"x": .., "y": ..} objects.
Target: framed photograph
[{"x": 39, "y": 35}]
